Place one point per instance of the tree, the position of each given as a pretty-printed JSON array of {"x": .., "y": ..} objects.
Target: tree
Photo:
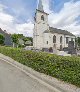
[
  {"x": 30, "y": 39},
  {"x": 15, "y": 39},
  {"x": 25, "y": 39},
  {"x": 20, "y": 35},
  {"x": 2, "y": 39},
  {"x": 77, "y": 42}
]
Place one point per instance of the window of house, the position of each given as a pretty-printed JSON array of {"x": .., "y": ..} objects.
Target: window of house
[
  {"x": 54, "y": 39},
  {"x": 67, "y": 40},
  {"x": 61, "y": 39},
  {"x": 42, "y": 17}
]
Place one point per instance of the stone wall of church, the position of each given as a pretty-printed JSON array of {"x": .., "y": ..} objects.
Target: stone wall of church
[
  {"x": 39, "y": 28},
  {"x": 45, "y": 40},
  {"x": 48, "y": 40}
]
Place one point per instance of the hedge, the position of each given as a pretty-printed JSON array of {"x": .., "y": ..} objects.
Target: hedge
[{"x": 64, "y": 68}]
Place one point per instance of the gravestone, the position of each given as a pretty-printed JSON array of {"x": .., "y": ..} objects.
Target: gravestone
[
  {"x": 71, "y": 45},
  {"x": 51, "y": 49},
  {"x": 45, "y": 49},
  {"x": 54, "y": 49},
  {"x": 71, "y": 48}
]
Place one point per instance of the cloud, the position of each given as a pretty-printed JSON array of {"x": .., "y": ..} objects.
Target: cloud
[
  {"x": 5, "y": 18},
  {"x": 47, "y": 4},
  {"x": 26, "y": 28},
  {"x": 7, "y": 22},
  {"x": 66, "y": 17}
]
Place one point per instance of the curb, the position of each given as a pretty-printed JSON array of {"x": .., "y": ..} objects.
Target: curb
[{"x": 50, "y": 82}]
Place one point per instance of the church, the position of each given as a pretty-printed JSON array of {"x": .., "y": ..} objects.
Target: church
[{"x": 45, "y": 36}]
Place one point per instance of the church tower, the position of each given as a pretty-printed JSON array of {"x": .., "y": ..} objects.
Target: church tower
[{"x": 40, "y": 25}]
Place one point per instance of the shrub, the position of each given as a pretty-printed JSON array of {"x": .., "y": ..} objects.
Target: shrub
[{"x": 64, "y": 68}]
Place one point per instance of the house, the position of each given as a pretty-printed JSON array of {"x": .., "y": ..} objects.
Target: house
[
  {"x": 45, "y": 36},
  {"x": 8, "y": 40}
]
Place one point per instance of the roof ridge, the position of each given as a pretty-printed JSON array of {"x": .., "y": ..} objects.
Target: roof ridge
[{"x": 4, "y": 31}]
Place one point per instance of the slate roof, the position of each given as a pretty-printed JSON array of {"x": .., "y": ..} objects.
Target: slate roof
[{"x": 59, "y": 31}]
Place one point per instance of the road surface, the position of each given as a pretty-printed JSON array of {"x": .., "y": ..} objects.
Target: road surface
[{"x": 14, "y": 80}]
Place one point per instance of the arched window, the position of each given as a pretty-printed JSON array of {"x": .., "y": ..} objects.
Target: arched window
[
  {"x": 61, "y": 39},
  {"x": 47, "y": 42},
  {"x": 42, "y": 17},
  {"x": 54, "y": 39}
]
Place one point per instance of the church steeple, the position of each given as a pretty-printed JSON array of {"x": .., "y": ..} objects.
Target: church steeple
[{"x": 40, "y": 6}]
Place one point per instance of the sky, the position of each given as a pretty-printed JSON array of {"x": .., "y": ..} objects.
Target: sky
[{"x": 17, "y": 16}]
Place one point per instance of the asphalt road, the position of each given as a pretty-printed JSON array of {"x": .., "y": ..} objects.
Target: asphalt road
[{"x": 14, "y": 80}]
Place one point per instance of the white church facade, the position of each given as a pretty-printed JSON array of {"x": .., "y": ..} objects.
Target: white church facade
[{"x": 45, "y": 36}]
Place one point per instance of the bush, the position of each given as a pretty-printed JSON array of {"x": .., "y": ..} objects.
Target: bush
[{"x": 64, "y": 68}]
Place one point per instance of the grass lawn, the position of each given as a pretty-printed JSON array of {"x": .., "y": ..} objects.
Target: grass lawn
[{"x": 64, "y": 68}]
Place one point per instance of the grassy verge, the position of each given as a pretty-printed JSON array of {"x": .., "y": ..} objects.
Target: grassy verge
[{"x": 64, "y": 68}]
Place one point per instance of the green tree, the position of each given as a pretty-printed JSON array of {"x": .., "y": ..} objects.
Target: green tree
[
  {"x": 25, "y": 39},
  {"x": 15, "y": 40},
  {"x": 20, "y": 36},
  {"x": 2, "y": 39},
  {"x": 78, "y": 41},
  {"x": 30, "y": 39}
]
